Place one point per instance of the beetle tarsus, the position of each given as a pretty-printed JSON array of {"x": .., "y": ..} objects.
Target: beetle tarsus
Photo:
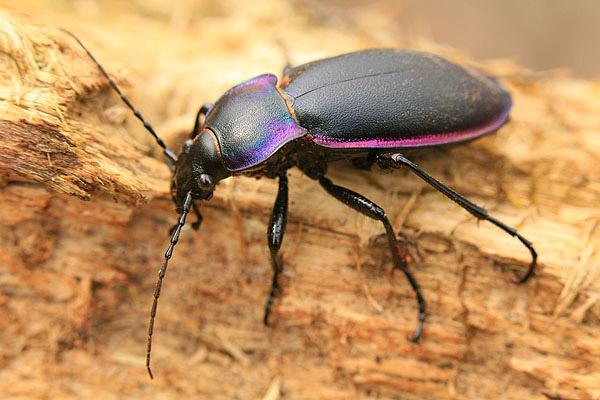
[
  {"x": 396, "y": 160},
  {"x": 416, "y": 337},
  {"x": 513, "y": 232},
  {"x": 196, "y": 224},
  {"x": 275, "y": 234},
  {"x": 366, "y": 207},
  {"x": 271, "y": 298}
]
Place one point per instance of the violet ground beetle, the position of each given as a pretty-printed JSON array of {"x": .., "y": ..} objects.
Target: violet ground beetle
[{"x": 366, "y": 106}]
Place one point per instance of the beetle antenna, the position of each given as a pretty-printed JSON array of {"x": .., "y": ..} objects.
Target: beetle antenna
[
  {"x": 170, "y": 154},
  {"x": 187, "y": 204}
]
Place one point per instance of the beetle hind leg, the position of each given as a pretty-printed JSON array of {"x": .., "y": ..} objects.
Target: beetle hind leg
[
  {"x": 396, "y": 160},
  {"x": 275, "y": 234},
  {"x": 372, "y": 210}
]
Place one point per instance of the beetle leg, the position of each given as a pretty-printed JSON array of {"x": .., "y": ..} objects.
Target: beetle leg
[
  {"x": 275, "y": 237},
  {"x": 365, "y": 163},
  {"x": 396, "y": 160},
  {"x": 202, "y": 112},
  {"x": 198, "y": 222},
  {"x": 195, "y": 225},
  {"x": 372, "y": 210}
]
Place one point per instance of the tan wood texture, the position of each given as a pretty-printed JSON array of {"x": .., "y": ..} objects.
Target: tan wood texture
[{"x": 85, "y": 214}]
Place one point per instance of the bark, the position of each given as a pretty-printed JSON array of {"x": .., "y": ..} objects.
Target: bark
[{"x": 85, "y": 214}]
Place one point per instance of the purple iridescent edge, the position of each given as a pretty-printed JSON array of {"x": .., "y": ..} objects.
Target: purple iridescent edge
[
  {"x": 281, "y": 133},
  {"x": 263, "y": 79},
  {"x": 417, "y": 141}
]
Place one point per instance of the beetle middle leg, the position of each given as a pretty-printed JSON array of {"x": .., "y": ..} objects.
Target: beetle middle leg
[
  {"x": 275, "y": 237},
  {"x": 396, "y": 160},
  {"x": 365, "y": 163},
  {"x": 365, "y": 206}
]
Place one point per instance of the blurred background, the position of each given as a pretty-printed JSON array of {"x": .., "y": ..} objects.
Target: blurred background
[{"x": 540, "y": 34}]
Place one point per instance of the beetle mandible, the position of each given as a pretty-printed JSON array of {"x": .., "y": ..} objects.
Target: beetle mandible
[{"x": 367, "y": 106}]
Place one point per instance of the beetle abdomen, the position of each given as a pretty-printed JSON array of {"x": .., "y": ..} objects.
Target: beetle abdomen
[{"x": 393, "y": 98}]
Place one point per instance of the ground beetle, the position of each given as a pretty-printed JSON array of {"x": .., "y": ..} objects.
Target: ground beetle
[{"x": 367, "y": 106}]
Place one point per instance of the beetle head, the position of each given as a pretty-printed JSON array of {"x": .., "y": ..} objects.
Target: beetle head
[{"x": 198, "y": 169}]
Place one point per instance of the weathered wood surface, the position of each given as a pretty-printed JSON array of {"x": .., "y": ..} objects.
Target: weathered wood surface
[{"x": 76, "y": 276}]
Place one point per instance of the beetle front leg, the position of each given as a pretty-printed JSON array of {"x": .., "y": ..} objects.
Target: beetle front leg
[
  {"x": 275, "y": 237},
  {"x": 196, "y": 224},
  {"x": 397, "y": 160},
  {"x": 202, "y": 112},
  {"x": 365, "y": 206}
]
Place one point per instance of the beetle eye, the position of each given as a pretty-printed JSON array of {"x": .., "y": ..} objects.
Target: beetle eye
[{"x": 205, "y": 182}]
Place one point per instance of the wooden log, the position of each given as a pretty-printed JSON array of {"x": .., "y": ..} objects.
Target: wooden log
[{"x": 76, "y": 276}]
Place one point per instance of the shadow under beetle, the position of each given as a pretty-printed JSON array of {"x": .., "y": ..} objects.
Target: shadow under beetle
[{"x": 367, "y": 106}]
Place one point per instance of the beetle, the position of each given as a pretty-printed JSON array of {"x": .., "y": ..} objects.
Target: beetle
[{"x": 369, "y": 106}]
